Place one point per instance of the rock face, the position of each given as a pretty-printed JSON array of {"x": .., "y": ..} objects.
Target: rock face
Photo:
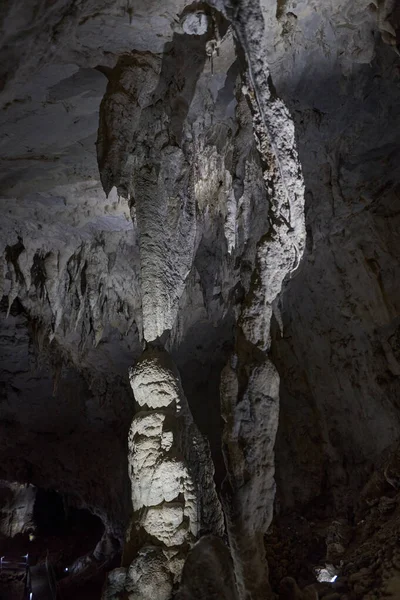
[
  {"x": 343, "y": 383},
  {"x": 17, "y": 504},
  {"x": 265, "y": 366}
]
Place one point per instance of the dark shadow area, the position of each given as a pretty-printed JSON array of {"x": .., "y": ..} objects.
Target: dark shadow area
[
  {"x": 57, "y": 538},
  {"x": 54, "y": 518},
  {"x": 200, "y": 359},
  {"x": 49, "y": 513}
]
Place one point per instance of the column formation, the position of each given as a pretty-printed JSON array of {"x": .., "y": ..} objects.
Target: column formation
[{"x": 171, "y": 472}]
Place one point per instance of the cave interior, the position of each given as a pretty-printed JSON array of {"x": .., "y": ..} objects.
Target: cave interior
[{"x": 199, "y": 300}]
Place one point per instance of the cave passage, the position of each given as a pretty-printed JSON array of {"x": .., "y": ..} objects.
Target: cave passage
[{"x": 58, "y": 534}]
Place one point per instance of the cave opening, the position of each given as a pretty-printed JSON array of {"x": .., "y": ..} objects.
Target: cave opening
[
  {"x": 62, "y": 532},
  {"x": 53, "y": 516},
  {"x": 49, "y": 513},
  {"x": 51, "y": 531},
  {"x": 55, "y": 529}
]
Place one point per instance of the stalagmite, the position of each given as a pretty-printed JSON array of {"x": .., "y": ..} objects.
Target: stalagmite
[
  {"x": 174, "y": 500},
  {"x": 208, "y": 572}
]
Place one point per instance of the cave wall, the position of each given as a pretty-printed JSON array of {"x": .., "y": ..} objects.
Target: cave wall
[{"x": 336, "y": 346}]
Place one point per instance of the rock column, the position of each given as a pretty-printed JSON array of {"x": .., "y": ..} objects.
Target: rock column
[
  {"x": 173, "y": 493},
  {"x": 250, "y": 382},
  {"x": 150, "y": 147}
]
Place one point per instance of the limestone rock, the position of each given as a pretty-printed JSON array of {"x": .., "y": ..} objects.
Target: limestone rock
[
  {"x": 174, "y": 499},
  {"x": 115, "y": 584},
  {"x": 195, "y": 23},
  {"x": 148, "y": 576}
]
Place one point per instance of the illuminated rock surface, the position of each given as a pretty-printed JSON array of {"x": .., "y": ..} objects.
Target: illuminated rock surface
[{"x": 204, "y": 196}]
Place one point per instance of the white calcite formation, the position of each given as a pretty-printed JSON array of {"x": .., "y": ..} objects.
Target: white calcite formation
[
  {"x": 140, "y": 151},
  {"x": 172, "y": 478},
  {"x": 195, "y": 23},
  {"x": 250, "y": 382},
  {"x": 148, "y": 578}
]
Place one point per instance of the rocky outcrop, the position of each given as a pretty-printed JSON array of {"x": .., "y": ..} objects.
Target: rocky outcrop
[
  {"x": 250, "y": 383},
  {"x": 17, "y": 504},
  {"x": 339, "y": 313},
  {"x": 358, "y": 554}
]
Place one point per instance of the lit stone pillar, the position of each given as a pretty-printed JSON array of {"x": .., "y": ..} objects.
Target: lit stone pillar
[{"x": 171, "y": 471}]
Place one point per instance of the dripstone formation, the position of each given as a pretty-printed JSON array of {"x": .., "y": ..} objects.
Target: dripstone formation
[
  {"x": 199, "y": 258},
  {"x": 179, "y": 171}
]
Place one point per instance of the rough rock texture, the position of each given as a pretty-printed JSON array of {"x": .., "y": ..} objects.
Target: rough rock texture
[
  {"x": 153, "y": 164},
  {"x": 191, "y": 248},
  {"x": 172, "y": 479},
  {"x": 250, "y": 383},
  {"x": 17, "y": 503},
  {"x": 371, "y": 557},
  {"x": 362, "y": 551},
  {"x": 340, "y": 373},
  {"x": 250, "y": 410},
  {"x": 208, "y": 572},
  {"x": 152, "y": 171},
  {"x": 336, "y": 355}
]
